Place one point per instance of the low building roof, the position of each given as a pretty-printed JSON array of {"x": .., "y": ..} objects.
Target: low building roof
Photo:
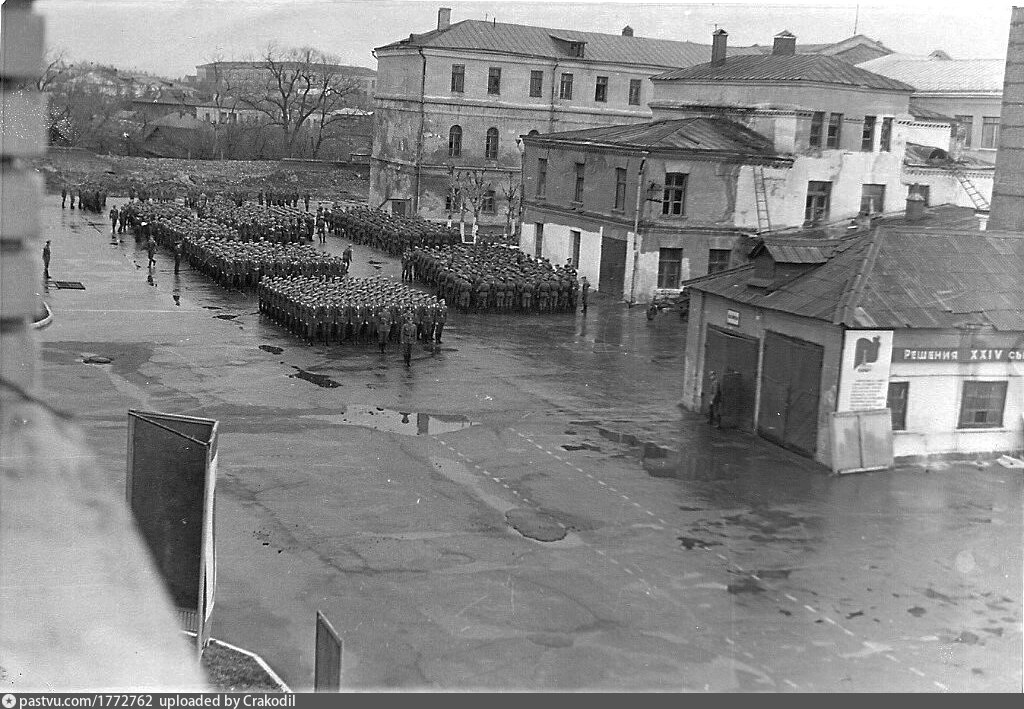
[
  {"x": 505, "y": 38},
  {"x": 905, "y": 277},
  {"x": 928, "y": 74},
  {"x": 923, "y": 113},
  {"x": 809, "y": 68},
  {"x": 699, "y": 134},
  {"x": 930, "y": 156}
]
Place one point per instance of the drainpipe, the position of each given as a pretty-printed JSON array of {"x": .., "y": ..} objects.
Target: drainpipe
[
  {"x": 551, "y": 116},
  {"x": 641, "y": 179},
  {"x": 419, "y": 136}
]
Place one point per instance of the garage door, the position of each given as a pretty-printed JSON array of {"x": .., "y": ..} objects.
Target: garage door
[
  {"x": 734, "y": 358},
  {"x": 789, "y": 393},
  {"x": 613, "y": 266}
]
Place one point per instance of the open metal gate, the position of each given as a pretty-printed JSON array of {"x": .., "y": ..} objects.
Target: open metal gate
[{"x": 613, "y": 267}]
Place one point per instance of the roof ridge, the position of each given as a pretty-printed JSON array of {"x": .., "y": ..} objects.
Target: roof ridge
[{"x": 855, "y": 286}]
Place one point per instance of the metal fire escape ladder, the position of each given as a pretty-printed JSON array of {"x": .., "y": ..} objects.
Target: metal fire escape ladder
[
  {"x": 977, "y": 198},
  {"x": 764, "y": 222}
]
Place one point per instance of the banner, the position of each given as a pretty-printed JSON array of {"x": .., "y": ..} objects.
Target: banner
[{"x": 864, "y": 373}]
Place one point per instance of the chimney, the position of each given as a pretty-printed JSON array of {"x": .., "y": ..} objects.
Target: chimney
[
  {"x": 718, "y": 40},
  {"x": 444, "y": 18},
  {"x": 785, "y": 44},
  {"x": 915, "y": 207},
  {"x": 627, "y": 31},
  {"x": 1007, "y": 210}
]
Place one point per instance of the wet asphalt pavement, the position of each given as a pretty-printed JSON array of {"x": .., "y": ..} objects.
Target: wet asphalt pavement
[{"x": 528, "y": 507}]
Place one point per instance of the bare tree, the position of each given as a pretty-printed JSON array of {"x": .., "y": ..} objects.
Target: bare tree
[
  {"x": 294, "y": 88},
  {"x": 513, "y": 194},
  {"x": 474, "y": 187}
]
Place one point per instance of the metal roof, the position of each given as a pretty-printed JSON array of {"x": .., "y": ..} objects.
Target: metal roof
[
  {"x": 786, "y": 67},
  {"x": 697, "y": 134},
  {"x": 504, "y": 38},
  {"x": 933, "y": 75},
  {"x": 910, "y": 277},
  {"x": 922, "y": 113}
]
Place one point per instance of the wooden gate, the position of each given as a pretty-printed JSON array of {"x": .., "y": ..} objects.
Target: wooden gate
[
  {"x": 613, "y": 267},
  {"x": 733, "y": 357},
  {"x": 790, "y": 387}
]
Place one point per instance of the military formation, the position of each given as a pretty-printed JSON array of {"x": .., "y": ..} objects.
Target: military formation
[
  {"x": 91, "y": 198},
  {"x": 389, "y": 232},
  {"x": 493, "y": 279},
  {"x": 354, "y": 311}
]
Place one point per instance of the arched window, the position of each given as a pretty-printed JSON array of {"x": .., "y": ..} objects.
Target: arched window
[
  {"x": 455, "y": 142},
  {"x": 491, "y": 148}
]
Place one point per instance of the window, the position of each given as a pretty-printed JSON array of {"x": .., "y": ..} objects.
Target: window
[
  {"x": 674, "y": 196},
  {"x": 577, "y": 194},
  {"x": 453, "y": 201},
  {"x": 601, "y": 89},
  {"x": 965, "y": 129},
  {"x": 542, "y": 176},
  {"x": 565, "y": 88},
  {"x": 718, "y": 260},
  {"x": 620, "y": 188},
  {"x": 536, "y": 83},
  {"x": 982, "y": 405},
  {"x": 670, "y": 267},
  {"x": 576, "y": 49},
  {"x": 817, "y": 124},
  {"x": 885, "y": 138},
  {"x": 576, "y": 239},
  {"x": 399, "y": 206},
  {"x": 487, "y": 204},
  {"x": 491, "y": 145},
  {"x": 897, "y": 404},
  {"x": 634, "y": 92},
  {"x": 458, "y": 78},
  {"x": 989, "y": 131},
  {"x": 867, "y": 136},
  {"x": 494, "y": 80},
  {"x": 538, "y": 240},
  {"x": 455, "y": 142},
  {"x": 819, "y": 195},
  {"x": 872, "y": 199},
  {"x": 835, "y": 129}
]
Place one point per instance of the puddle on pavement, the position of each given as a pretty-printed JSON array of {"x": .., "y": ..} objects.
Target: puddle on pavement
[
  {"x": 213, "y": 307},
  {"x": 321, "y": 380},
  {"x": 394, "y": 421},
  {"x": 580, "y": 447},
  {"x": 225, "y": 317},
  {"x": 272, "y": 349},
  {"x": 535, "y": 525},
  {"x": 747, "y": 584}
]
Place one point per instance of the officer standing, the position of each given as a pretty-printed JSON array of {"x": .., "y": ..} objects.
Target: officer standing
[
  {"x": 46, "y": 260},
  {"x": 407, "y": 337}
]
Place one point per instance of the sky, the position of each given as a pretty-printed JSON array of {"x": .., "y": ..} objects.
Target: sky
[{"x": 170, "y": 37}]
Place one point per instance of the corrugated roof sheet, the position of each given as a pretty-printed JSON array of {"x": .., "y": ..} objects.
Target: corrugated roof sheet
[
  {"x": 688, "y": 134},
  {"x": 942, "y": 75},
  {"x": 945, "y": 278},
  {"x": 900, "y": 278},
  {"x": 507, "y": 38},
  {"x": 794, "y": 67},
  {"x": 791, "y": 253}
]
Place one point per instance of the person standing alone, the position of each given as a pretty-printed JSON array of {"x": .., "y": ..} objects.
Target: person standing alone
[
  {"x": 151, "y": 250},
  {"x": 584, "y": 292},
  {"x": 407, "y": 337},
  {"x": 46, "y": 260}
]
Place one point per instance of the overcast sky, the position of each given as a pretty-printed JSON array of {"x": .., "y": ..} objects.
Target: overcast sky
[{"x": 170, "y": 37}]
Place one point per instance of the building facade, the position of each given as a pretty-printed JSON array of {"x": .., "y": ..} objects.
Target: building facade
[
  {"x": 836, "y": 135},
  {"x": 459, "y": 98},
  {"x": 968, "y": 91}
]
